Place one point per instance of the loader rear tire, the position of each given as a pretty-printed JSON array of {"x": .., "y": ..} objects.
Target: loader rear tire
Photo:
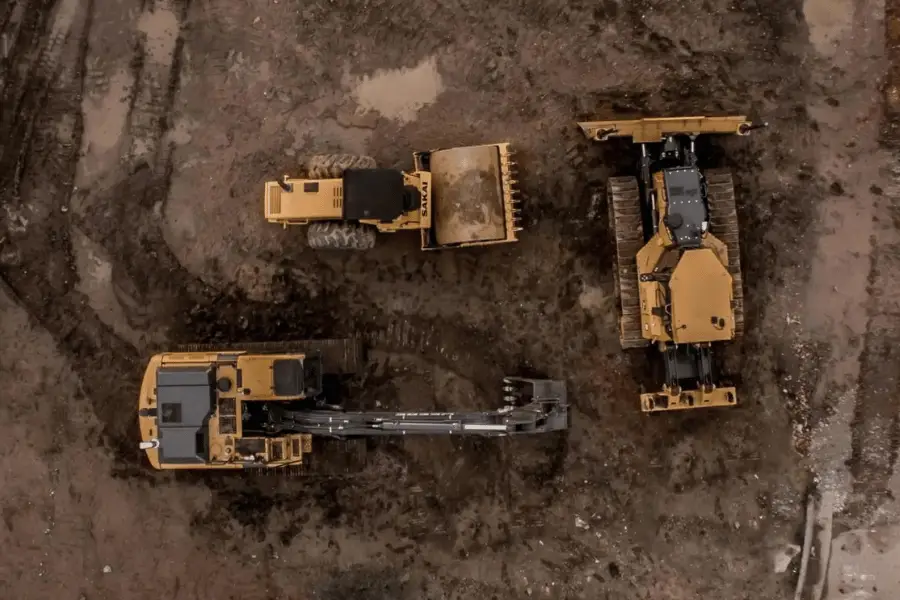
[
  {"x": 332, "y": 166},
  {"x": 336, "y": 235}
]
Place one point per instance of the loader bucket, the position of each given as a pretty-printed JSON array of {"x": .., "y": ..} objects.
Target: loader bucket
[{"x": 472, "y": 200}]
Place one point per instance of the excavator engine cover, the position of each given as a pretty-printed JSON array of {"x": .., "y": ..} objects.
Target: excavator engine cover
[{"x": 467, "y": 195}]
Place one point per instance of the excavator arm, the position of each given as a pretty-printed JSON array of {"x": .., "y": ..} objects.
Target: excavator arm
[{"x": 530, "y": 406}]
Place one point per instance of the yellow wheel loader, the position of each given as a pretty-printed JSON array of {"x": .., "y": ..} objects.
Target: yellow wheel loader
[
  {"x": 454, "y": 197},
  {"x": 261, "y": 405},
  {"x": 677, "y": 259}
]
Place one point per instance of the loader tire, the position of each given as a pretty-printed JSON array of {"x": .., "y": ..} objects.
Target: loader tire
[
  {"x": 723, "y": 223},
  {"x": 332, "y": 166},
  {"x": 336, "y": 235},
  {"x": 624, "y": 203}
]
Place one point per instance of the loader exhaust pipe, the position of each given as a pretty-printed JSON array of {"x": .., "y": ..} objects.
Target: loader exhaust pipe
[{"x": 284, "y": 185}]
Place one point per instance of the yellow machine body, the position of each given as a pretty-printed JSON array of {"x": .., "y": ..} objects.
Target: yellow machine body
[
  {"x": 264, "y": 405},
  {"x": 678, "y": 273},
  {"x": 322, "y": 200},
  {"x": 220, "y": 431},
  {"x": 456, "y": 197}
]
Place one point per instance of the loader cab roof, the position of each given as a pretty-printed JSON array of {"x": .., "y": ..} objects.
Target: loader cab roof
[
  {"x": 686, "y": 211},
  {"x": 375, "y": 194},
  {"x": 185, "y": 398}
]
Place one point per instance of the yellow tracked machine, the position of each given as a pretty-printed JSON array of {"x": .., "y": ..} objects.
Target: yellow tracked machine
[
  {"x": 454, "y": 197},
  {"x": 677, "y": 260}
]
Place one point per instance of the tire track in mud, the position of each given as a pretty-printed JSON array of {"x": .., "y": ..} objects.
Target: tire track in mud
[
  {"x": 26, "y": 89},
  {"x": 876, "y": 417},
  {"x": 150, "y": 267},
  {"x": 848, "y": 305},
  {"x": 448, "y": 346},
  {"x": 42, "y": 274},
  {"x": 42, "y": 282}
]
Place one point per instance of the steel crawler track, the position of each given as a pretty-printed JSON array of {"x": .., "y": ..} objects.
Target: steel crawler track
[
  {"x": 723, "y": 223},
  {"x": 624, "y": 201}
]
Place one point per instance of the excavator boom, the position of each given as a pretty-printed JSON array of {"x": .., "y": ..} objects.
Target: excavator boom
[{"x": 545, "y": 410}]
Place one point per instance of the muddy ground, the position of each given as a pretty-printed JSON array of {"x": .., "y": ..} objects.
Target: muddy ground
[{"x": 135, "y": 136}]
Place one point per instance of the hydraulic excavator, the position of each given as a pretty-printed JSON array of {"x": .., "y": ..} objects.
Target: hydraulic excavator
[{"x": 261, "y": 405}]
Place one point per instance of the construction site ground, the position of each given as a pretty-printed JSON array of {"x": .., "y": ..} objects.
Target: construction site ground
[{"x": 135, "y": 137}]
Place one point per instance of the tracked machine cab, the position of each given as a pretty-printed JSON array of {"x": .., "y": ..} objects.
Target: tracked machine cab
[
  {"x": 677, "y": 271},
  {"x": 261, "y": 405},
  {"x": 454, "y": 197}
]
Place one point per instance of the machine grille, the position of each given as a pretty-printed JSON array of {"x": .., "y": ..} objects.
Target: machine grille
[
  {"x": 274, "y": 200},
  {"x": 277, "y": 450},
  {"x": 226, "y": 407},
  {"x": 227, "y": 425},
  {"x": 227, "y": 417}
]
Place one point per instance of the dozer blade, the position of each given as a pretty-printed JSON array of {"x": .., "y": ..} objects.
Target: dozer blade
[
  {"x": 624, "y": 202},
  {"x": 472, "y": 189},
  {"x": 339, "y": 356},
  {"x": 648, "y": 131}
]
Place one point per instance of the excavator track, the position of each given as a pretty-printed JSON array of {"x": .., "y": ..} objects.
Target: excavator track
[
  {"x": 723, "y": 223},
  {"x": 339, "y": 356},
  {"x": 624, "y": 202}
]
